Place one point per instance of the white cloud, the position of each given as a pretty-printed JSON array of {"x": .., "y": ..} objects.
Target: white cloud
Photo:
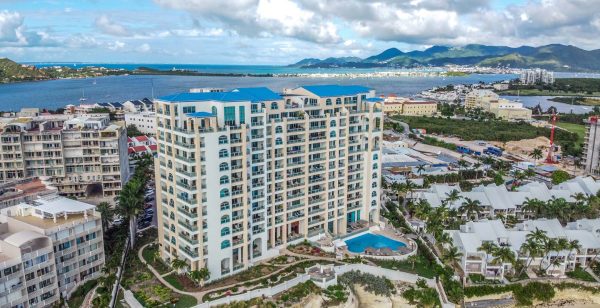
[
  {"x": 144, "y": 48},
  {"x": 117, "y": 45},
  {"x": 110, "y": 27}
]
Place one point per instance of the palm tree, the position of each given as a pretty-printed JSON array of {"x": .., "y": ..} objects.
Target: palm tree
[
  {"x": 471, "y": 208},
  {"x": 531, "y": 249},
  {"x": 536, "y": 154},
  {"x": 539, "y": 236},
  {"x": 178, "y": 264},
  {"x": 199, "y": 275},
  {"x": 131, "y": 204},
  {"x": 451, "y": 197},
  {"x": 420, "y": 169},
  {"x": 503, "y": 255},
  {"x": 444, "y": 238},
  {"x": 476, "y": 168},
  {"x": 452, "y": 255},
  {"x": 107, "y": 214},
  {"x": 534, "y": 206},
  {"x": 487, "y": 247},
  {"x": 412, "y": 259},
  {"x": 573, "y": 246}
]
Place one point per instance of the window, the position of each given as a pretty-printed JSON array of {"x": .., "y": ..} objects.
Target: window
[
  {"x": 214, "y": 110},
  {"x": 225, "y": 219},
  {"x": 278, "y": 141},
  {"x": 224, "y": 206},
  {"x": 375, "y": 156},
  {"x": 332, "y": 134},
  {"x": 223, "y": 140},
  {"x": 223, "y": 167},
  {"x": 223, "y": 153},
  {"x": 189, "y": 109},
  {"x": 328, "y": 102},
  {"x": 338, "y": 101},
  {"x": 278, "y": 130},
  {"x": 274, "y": 106},
  {"x": 224, "y": 180},
  {"x": 375, "y": 175},
  {"x": 374, "y": 185},
  {"x": 224, "y": 193},
  {"x": 332, "y": 123},
  {"x": 373, "y": 203},
  {"x": 225, "y": 244},
  {"x": 242, "y": 114},
  {"x": 374, "y": 194},
  {"x": 229, "y": 115},
  {"x": 225, "y": 231}
]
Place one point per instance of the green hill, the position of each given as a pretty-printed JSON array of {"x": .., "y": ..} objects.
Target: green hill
[{"x": 11, "y": 71}]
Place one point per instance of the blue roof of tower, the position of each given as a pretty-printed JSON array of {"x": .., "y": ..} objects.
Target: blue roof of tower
[
  {"x": 237, "y": 95},
  {"x": 336, "y": 90}
]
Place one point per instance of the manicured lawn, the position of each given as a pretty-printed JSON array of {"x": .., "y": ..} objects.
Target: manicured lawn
[
  {"x": 579, "y": 129},
  {"x": 174, "y": 281},
  {"x": 581, "y": 274},
  {"x": 186, "y": 301}
]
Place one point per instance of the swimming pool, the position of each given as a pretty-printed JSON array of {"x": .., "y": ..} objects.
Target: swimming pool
[{"x": 362, "y": 242}]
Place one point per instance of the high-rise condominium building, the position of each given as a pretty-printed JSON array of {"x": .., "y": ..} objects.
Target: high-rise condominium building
[
  {"x": 245, "y": 172},
  {"x": 48, "y": 247},
  {"x": 535, "y": 76},
  {"x": 81, "y": 155},
  {"x": 591, "y": 146}
]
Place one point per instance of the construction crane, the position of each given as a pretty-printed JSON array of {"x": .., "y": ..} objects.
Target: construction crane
[{"x": 550, "y": 158}]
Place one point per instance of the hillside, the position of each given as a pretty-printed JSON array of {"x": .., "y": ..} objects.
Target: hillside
[
  {"x": 11, "y": 71},
  {"x": 554, "y": 57}
]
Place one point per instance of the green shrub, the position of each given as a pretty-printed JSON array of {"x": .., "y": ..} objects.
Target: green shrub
[{"x": 371, "y": 283}]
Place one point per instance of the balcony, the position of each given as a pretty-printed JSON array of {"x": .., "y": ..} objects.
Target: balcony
[
  {"x": 188, "y": 252},
  {"x": 186, "y": 159},
  {"x": 187, "y": 226},
  {"x": 186, "y": 173},
  {"x": 185, "y": 145},
  {"x": 186, "y": 186},
  {"x": 188, "y": 239},
  {"x": 190, "y": 215}
]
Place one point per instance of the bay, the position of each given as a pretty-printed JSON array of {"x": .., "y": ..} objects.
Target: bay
[{"x": 54, "y": 94}]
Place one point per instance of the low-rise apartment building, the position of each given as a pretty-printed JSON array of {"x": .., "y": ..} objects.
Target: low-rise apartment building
[
  {"x": 145, "y": 121},
  {"x": 48, "y": 247},
  {"x": 245, "y": 172},
  {"x": 470, "y": 237},
  {"x": 24, "y": 190},
  {"x": 80, "y": 155},
  {"x": 502, "y": 108},
  {"x": 405, "y": 106}
]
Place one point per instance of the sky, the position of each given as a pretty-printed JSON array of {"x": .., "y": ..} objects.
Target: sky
[{"x": 279, "y": 31}]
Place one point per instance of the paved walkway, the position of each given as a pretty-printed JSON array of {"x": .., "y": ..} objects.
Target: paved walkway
[
  {"x": 200, "y": 294},
  {"x": 131, "y": 300},
  {"x": 87, "y": 300}
]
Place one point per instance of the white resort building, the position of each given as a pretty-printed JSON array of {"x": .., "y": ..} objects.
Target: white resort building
[
  {"x": 48, "y": 247},
  {"x": 245, "y": 172},
  {"x": 472, "y": 235},
  {"x": 80, "y": 155}
]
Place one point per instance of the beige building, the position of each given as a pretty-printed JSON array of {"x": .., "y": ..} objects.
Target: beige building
[
  {"x": 405, "y": 106},
  {"x": 502, "y": 108},
  {"x": 48, "y": 248},
  {"x": 246, "y": 172},
  {"x": 80, "y": 155}
]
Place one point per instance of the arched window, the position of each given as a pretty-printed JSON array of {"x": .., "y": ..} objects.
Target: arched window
[
  {"x": 225, "y": 231},
  {"x": 373, "y": 203},
  {"x": 223, "y": 140},
  {"x": 173, "y": 241},
  {"x": 375, "y": 175},
  {"x": 374, "y": 185},
  {"x": 224, "y": 219},
  {"x": 332, "y": 134},
  {"x": 214, "y": 110},
  {"x": 375, "y": 166},
  {"x": 224, "y": 206},
  {"x": 374, "y": 194},
  {"x": 328, "y": 102},
  {"x": 274, "y": 106},
  {"x": 224, "y": 193},
  {"x": 224, "y": 180},
  {"x": 171, "y": 203},
  {"x": 172, "y": 216},
  {"x": 338, "y": 101},
  {"x": 172, "y": 228},
  {"x": 278, "y": 141},
  {"x": 223, "y": 167},
  {"x": 332, "y": 123},
  {"x": 170, "y": 177},
  {"x": 225, "y": 244},
  {"x": 170, "y": 190},
  {"x": 223, "y": 153},
  {"x": 170, "y": 164},
  {"x": 375, "y": 156},
  {"x": 278, "y": 130}
]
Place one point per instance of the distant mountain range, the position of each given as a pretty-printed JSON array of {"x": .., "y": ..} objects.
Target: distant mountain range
[{"x": 553, "y": 57}]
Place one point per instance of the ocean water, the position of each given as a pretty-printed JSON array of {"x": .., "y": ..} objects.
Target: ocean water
[{"x": 54, "y": 94}]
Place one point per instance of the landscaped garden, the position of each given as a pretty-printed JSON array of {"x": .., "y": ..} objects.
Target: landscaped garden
[
  {"x": 147, "y": 289},
  {"x": 151, "y": 256},
  {"x": 306, "y": 248},
  {"x": 419, "y": 264},
  {"x": 580, "y": 274}
]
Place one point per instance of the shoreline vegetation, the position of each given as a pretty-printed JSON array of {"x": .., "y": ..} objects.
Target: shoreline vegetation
[{"x": 575, "y": 91}]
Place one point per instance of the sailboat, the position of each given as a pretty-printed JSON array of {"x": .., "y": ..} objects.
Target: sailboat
[{"x": 82, "y": 99}]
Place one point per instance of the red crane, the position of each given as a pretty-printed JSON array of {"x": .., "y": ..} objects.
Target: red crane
[{"x": 550, "y": 158}]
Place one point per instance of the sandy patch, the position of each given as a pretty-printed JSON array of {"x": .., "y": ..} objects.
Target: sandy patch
[
  {"x": 573, "y": 298},
  {"x": 367, "y": 300},
  {"x": 312, "y": 301}
]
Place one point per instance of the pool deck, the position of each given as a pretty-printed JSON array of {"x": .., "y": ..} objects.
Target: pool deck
[{"x": 388, "y": 232}]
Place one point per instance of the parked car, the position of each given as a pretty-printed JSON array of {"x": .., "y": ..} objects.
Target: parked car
[
  {"x": 118, "y": 220},
  {"x": 150, "y": 211},
  {"x": 144, "y": 224}
]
